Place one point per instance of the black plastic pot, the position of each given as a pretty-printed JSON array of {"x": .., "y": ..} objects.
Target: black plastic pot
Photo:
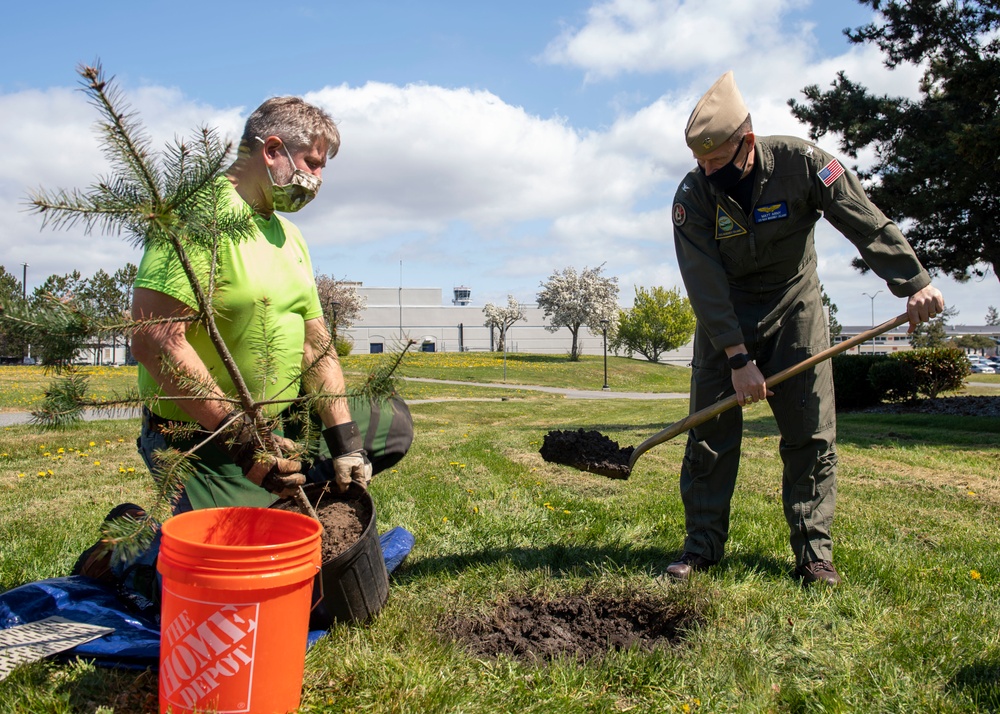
[{"x": 353, "y": 586}]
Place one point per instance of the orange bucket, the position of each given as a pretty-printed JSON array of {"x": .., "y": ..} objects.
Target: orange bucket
[{"x": 237, "y": 587}]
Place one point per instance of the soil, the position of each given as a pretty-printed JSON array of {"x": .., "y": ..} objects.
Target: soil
[
  {"x": 530, "y": 628},
  {"x": 344, "y": 519},
  {"x": 587, "y": 451},
  {"x": 954, "y": 406}
]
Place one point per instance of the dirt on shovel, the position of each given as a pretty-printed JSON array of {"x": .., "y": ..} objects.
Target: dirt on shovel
[{"x": 587, "y": 451}]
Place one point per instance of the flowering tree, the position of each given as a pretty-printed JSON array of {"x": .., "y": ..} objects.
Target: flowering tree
[
  {"x": 660, "y": 320},
  {"x": 570, "y": 299},
  {"x": 503, "y": 318},
  {"x": 341, "y": 307}
]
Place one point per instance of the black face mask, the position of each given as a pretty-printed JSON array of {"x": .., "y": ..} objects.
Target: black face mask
[{"x": 730, "y": 174}]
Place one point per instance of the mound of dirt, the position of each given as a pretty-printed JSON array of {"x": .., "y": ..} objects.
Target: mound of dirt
[
  {"x": 587, "y": 451},
  {"x": 580, "y": 626}
]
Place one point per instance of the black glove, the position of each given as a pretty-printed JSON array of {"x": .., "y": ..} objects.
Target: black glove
[
  {"x": 350, "y": 461},
  {"x": 238, "y": 439}
]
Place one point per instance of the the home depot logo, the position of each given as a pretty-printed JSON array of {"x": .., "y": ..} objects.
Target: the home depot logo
[{"x": 210, "y": 660}]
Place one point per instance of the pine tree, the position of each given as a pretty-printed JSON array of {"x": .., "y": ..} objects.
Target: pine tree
[{"x": 169, "y": 199}]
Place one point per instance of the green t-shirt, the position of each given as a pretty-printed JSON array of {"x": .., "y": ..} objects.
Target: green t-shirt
[{"x": 265, "y": 291}]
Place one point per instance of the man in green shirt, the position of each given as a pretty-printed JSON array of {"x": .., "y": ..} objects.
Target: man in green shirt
[
  {"x": 743, "y": 231},
  {"x": 264, "y": 292}
]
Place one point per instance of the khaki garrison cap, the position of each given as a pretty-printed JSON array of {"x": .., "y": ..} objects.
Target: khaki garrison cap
[{"x": 716, "y": 117}]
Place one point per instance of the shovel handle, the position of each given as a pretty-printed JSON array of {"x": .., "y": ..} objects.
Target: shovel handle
[{"x": 703, "y": 415}]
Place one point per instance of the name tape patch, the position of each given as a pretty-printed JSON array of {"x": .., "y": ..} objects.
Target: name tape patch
[{"x": 770, "y": 212}]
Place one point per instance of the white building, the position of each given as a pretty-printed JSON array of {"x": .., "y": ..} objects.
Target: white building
[{"x": 397, "y": 314}]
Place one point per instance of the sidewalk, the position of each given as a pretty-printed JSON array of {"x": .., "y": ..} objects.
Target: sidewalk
[{"x": 12, "y": 418}]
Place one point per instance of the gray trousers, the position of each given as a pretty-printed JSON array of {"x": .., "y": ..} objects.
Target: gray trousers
[{"x": 803, "y": 407}]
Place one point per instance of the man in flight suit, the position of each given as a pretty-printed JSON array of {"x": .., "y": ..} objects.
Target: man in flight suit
[{"x": 744, "y": 220}]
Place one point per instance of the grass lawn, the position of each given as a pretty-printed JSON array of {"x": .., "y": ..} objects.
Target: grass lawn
[{"x": 914, "y": 628}]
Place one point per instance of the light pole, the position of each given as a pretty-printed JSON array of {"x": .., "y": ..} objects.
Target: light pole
[
  {"x": 24, "y": 298},
  {"x": 873, "y": 313},
  {"x": 604, "y": 329}
]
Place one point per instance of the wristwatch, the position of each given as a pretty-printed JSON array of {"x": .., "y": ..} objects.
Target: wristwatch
[{"x": 739, "y": 361}]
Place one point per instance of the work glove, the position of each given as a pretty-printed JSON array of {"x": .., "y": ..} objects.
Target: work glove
[
  {"x": 350, "y": 461},
  {"x": 276, "y": 475}
]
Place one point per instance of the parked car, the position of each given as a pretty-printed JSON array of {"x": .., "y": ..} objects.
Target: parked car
[{"x": 982, "y": 368}]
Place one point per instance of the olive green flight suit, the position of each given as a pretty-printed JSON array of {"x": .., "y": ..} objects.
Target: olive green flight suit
[{"x": 752, "y": 280}]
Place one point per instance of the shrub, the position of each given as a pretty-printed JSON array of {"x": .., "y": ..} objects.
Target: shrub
[
  {"x": 894, "y": 379},
  {"x": 937, "y": 369},
  {"x": 850, "y": 381},
  {"x": 343, "y": 345}
]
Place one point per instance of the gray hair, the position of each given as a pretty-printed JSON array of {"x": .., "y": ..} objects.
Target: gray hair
[
  {"x": 742, "y": 130},
  {"x": 298, "y": 124}
]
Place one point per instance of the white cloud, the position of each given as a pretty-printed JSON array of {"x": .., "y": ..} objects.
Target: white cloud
[
  {"x": 467, "y": 188},
  {"x": 646, "y": 36}
]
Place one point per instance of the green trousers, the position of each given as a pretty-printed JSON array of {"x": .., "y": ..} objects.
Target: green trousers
[{"x": 804, "y": 409}]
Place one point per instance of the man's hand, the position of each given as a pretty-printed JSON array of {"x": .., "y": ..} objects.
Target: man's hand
[
  {"x": 350, "y": 461},
  {"x": 279, "y": 476},
  {"x": 924, "y": 305},
  {"x": 750, "y": 385},
  {"x": 238, "y": 438}
]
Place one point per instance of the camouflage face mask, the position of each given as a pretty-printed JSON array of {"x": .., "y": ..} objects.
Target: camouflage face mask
[{"x": 300, "y": 189}]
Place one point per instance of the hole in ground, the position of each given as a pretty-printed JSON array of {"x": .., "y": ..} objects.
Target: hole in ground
[{"x": 531, "y": 627}]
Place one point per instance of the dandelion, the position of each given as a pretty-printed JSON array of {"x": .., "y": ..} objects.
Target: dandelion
[
  {"x": 475, "y": 509},
  {"x": 121, "y": 469},
  {"x": 444, "y": 519},
  {"x": 93, "y": 443},
  {"x": 97, "y": 463},
  {"x": 50, "y": 472},
  {"x": 41, "y": 473},
  {"x": 567, "y": 512},
  {"x": 974, "y": 574},
  {"x": 60, "y": 450},
  {"x": 972, "y": 493},
  {"x": 131, "y": 469},
  {"x": 20, "y": 474}
]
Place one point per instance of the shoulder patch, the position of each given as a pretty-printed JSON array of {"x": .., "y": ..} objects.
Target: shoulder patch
[
  {"x": 680, "y": 214},
  {"x": 831, "y": 172},
  {"x": 725, "y": 226}
]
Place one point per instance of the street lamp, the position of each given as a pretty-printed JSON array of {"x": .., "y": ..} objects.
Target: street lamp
[
  {"x": 604, "y": 329},
  {"x": 873, "y": 314},
  {"x": 24, "y": 283}
]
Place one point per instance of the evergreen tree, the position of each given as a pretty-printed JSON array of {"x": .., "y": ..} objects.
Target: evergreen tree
[
  {"x": 933, "y": 333},
  {"x": 935, "y": 161},
  {"x": 169, "y": 199},
  {"x": 992, "y": 316},
  {"x": 831, "y": 310}
]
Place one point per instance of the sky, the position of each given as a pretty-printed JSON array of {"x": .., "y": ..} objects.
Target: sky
[{"x": 485, "y": 145}]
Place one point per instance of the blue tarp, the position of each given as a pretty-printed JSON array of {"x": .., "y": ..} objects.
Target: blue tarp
[{"x": 136, "y": 639}]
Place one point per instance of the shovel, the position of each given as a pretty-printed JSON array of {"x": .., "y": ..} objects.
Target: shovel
[{"x": 621, "y": 471}]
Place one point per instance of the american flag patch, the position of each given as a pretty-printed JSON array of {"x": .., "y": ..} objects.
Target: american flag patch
[{"x": 831, "y": 172}]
